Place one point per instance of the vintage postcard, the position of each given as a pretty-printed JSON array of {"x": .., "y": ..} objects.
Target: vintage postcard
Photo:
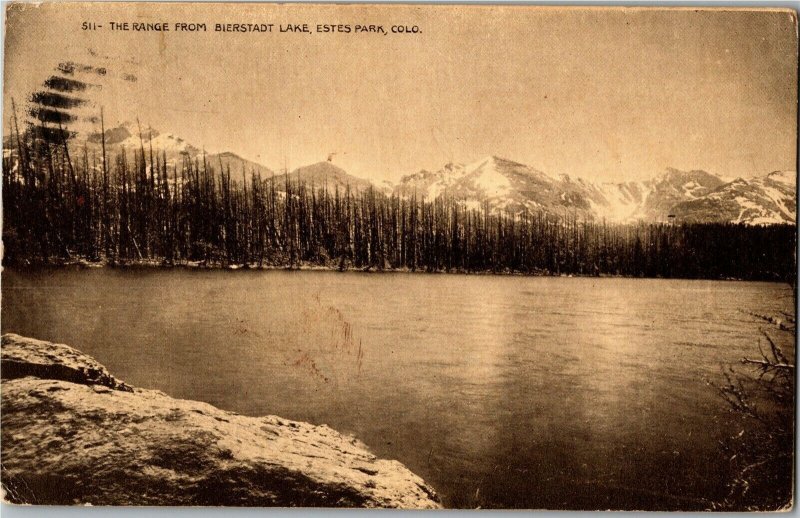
[{"x": 407, "y": 256}]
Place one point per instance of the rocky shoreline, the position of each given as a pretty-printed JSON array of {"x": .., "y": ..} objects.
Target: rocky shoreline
[{"x": 74, "y": 434}]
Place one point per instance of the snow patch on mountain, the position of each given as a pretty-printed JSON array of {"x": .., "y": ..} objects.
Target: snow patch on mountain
[
  {"x": 763, "y": 200},
  {"x": 166, "y": 142},
  {"x": 487, "y": 176},
  {"x": 618, "y": 201},
  {"x": 785, "y": 177}
]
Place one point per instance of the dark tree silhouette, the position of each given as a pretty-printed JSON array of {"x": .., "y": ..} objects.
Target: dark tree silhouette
[{"x": 136, "y": 207}]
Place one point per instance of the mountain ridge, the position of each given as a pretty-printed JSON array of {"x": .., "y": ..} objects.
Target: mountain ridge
[
  {"x": 506, "y": 185},
  {"x": 673, "y": 195}
]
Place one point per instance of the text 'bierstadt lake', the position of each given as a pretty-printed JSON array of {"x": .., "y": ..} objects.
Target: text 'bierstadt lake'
[{"x": 573, "y": 393}]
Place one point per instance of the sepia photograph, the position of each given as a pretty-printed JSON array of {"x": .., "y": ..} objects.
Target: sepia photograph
[{"x": 399, "y": 256}]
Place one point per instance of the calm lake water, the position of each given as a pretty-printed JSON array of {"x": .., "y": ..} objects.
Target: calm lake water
[{"x": 500, "y": 391}]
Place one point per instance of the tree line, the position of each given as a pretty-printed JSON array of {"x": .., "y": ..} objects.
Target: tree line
[{"x": 62, "y": 205}]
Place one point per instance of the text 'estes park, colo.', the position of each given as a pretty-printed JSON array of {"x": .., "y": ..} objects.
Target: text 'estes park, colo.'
[{"x": 290, "y": 28}]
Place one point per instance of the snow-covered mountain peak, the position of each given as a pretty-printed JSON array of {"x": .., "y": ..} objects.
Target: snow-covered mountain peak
[
  {"x": 167, "y": 142},
  {"x": 784, "y": 177},
  {"x": 694, "y": 195},
  {"x": 494, "y": 163}
]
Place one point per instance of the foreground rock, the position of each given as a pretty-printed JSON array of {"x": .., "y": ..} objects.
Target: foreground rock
[
  {"x": 23, "y": 357},
  {"x": 74, "y": 435}
]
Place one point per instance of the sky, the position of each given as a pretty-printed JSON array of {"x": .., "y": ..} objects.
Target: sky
[{"x": 604, "y": 94}]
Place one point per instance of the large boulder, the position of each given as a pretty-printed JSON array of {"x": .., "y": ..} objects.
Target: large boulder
[
  {"x": 73, "y": 434},
  {"x": 23, "y": 357}
]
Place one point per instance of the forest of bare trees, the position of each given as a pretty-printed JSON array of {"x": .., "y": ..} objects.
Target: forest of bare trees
[{"x": 62, "y": 205}]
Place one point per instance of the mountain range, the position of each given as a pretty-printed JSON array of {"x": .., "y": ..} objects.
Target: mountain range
[
  {"x": 65, "y": 106},
  {"x": 505, "y": 185},
  {"x": 130, "y": 136},
  {"x": 690, "y": 196}
]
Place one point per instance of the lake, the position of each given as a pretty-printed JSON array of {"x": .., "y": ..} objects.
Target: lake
[{"x": 500, "y": 391}]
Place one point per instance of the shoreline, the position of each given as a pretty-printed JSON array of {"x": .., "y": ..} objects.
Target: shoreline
[{"x": 201, "y": 265}]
